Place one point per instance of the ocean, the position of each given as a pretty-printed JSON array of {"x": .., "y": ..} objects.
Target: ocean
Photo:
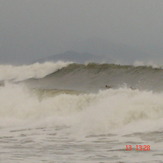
[{"x": 81, "y": 113}]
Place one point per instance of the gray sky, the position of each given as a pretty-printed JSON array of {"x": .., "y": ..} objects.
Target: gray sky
[{"x": 32, "y": 29}]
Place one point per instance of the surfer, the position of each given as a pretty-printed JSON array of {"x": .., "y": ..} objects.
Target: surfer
[
  {"x": 2, "y": 84},
  {"x": 132, "y": 88},
  {"x": 107, "y": 86}
]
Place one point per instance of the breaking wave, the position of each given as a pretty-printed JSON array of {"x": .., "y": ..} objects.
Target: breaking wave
[
  {"x": 62, "y": 111},
  {"x": 36, "y": 70},
  {"x": 62, "y": 95},
  {"x": 84, "y": 114}
]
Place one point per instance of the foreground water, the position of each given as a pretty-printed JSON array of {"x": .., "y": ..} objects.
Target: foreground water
[{"x": 45, "y": 145}]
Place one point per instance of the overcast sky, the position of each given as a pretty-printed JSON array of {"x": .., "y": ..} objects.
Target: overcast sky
[{"x": 32, "y": 29}]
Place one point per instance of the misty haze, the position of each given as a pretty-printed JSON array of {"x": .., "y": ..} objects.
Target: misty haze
[{"x": 123, "y": 31}]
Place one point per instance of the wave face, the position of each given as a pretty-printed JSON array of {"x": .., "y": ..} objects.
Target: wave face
[{"x": 93, "y": 77}]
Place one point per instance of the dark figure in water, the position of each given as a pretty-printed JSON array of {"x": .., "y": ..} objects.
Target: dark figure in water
[
  {"x": 2, "y": 84},
  {"x": 107, "y": 86},
  {"x": 132, "y": 88}
]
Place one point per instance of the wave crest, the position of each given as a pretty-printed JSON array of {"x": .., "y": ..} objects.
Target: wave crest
[{"x": 36, "y": 70}]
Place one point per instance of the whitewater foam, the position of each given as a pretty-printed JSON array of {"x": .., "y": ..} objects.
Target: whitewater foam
[
  {"x": 149, "y": 63},
  {"x": 106, "y": 111},
  {"x": 36, "y": 70}
]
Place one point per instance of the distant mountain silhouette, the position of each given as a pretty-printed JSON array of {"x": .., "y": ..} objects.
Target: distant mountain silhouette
[
  {"x": 114, "y": 50},
  {"x": 74, "y": 57}
]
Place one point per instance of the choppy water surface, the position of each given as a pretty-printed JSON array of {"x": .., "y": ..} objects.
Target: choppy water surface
[{"x": 46, "y": 145}]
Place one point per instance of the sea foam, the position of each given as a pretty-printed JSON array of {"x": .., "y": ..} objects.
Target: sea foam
[
  {"x": 85, "y": 114},
  {"x": 36, "y": 70}
]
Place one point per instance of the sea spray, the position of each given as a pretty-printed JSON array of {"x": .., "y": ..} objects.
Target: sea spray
[
  {"x": 92, "y": 113},
  {"x": 36, "y": 70}
]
